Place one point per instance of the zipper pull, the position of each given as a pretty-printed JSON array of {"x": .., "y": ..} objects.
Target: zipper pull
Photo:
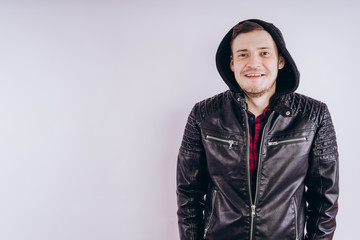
[
  {"x": 272, "y": 143},
  {"x": 231, "y": 143},
  {"x": 253, "y": 210}
]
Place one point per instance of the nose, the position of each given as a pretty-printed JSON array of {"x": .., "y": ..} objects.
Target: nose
[{"x": 253, "y": 61}]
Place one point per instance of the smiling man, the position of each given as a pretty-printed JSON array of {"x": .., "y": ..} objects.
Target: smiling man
[{"x": 258, "y": 161}]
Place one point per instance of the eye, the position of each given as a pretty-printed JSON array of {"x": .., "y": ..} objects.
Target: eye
[
  {"x": 265, "y": 53},
  {"x": 242, "y": 55}
]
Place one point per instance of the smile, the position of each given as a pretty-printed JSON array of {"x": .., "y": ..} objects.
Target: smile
[{"x": 254, "y": 75}]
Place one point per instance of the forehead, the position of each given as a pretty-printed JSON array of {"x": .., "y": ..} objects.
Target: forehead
[{"x": 253, "y": 40}]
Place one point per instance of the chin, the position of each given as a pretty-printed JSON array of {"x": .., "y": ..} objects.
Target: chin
[{"x": 254, "y": 94}]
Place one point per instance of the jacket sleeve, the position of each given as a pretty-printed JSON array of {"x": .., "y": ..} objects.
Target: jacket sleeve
[
  {"x": 191, "y": 182},
  {"x": 322, "y": 181}
]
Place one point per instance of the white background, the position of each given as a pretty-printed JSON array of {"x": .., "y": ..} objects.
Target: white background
[{"x": 94, "y": 97}]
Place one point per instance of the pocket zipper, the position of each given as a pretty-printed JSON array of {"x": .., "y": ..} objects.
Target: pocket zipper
[
  {"x": 296, "y": 221},
  {"x": 211, "y": 214},
  {"x": 274, "y": 143},
  {"x": 230, "y": 142}
]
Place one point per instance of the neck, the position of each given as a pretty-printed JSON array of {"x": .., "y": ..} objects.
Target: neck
[{"x": 257, "y": 105}]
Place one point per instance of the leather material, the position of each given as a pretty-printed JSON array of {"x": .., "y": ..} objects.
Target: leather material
[{"x": 298, "y": 163}]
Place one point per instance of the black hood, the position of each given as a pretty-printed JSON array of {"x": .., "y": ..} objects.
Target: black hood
[{"x": 288, "y": 77}]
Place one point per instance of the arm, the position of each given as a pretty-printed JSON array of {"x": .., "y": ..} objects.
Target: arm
[
  {"x": 191, "y": 182},
  {"x": 322, "y": 181}
]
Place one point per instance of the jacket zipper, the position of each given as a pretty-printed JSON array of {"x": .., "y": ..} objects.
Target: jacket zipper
[
  {"x": 296, "y": 221},
  {"x": 230, "y": 142},
  {"x": 301, "y": 139},
  {"x": 211, "y": 214},
  {"x": 253, "y": 202},
  {"x": 253, "y": 208}
]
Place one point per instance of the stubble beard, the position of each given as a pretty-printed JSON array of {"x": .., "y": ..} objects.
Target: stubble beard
[{"x": 256, "y": 93}]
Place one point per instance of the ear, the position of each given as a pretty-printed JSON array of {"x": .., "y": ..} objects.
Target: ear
[
  {"x": 231, "y": 63},
  {"x": 281, "y": 62}
]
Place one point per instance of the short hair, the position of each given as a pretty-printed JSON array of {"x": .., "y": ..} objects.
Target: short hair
[{"x": 244, "y": 27}]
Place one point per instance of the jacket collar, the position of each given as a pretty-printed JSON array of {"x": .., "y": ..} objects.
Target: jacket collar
[
  {"x": 280, "y": 107},
  {"x": 277, "y": 104}
]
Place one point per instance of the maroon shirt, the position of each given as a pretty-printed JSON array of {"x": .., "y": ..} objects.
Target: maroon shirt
[{"x": 256, "y": 126}]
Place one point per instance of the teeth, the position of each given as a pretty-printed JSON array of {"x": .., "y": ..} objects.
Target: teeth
[{"x": 254, "y": 75}]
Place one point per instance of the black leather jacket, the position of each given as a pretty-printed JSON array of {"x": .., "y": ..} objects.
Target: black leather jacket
[{"x": 297, "y": 164}]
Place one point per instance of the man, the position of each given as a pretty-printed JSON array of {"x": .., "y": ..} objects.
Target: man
[{"x": 257, "y": 161}]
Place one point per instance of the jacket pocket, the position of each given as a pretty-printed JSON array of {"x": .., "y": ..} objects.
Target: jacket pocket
[
  {"x": 223, "y": 140},
  {"x": 287, "y": 141},
  {"x": 208, "y": 224}
]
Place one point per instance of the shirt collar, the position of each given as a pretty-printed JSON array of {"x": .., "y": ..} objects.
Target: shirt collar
[{"x": 263, "y": 115}]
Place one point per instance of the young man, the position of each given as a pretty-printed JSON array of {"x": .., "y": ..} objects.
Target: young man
[{"x": 257, "y": 161}]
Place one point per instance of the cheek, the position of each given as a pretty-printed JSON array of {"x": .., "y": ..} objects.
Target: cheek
[
  {"x": 238, "y": 67},
  {"x": 273, "y": 67}
]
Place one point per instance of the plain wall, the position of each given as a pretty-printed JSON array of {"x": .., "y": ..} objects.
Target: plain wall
[{"x": 94, "y": 97}]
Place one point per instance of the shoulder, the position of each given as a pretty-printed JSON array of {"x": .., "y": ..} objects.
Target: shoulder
[
  {"x": 211, "y": 105},
  {"x": 306, "y": 106}
]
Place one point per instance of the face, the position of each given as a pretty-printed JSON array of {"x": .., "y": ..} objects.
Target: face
[{"x": 255, "y": 63}]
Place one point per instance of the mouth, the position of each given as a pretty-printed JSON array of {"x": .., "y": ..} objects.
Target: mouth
[{"x": 254, "y": 75}]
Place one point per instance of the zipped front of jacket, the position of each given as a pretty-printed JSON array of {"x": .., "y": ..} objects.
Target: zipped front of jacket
[
  {"x": 254, "y": 201},
  {"x": 248, "y": 173}
]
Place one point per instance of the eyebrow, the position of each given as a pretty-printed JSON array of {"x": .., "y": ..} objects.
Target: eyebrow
[{"x": 261, "y": 48}]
